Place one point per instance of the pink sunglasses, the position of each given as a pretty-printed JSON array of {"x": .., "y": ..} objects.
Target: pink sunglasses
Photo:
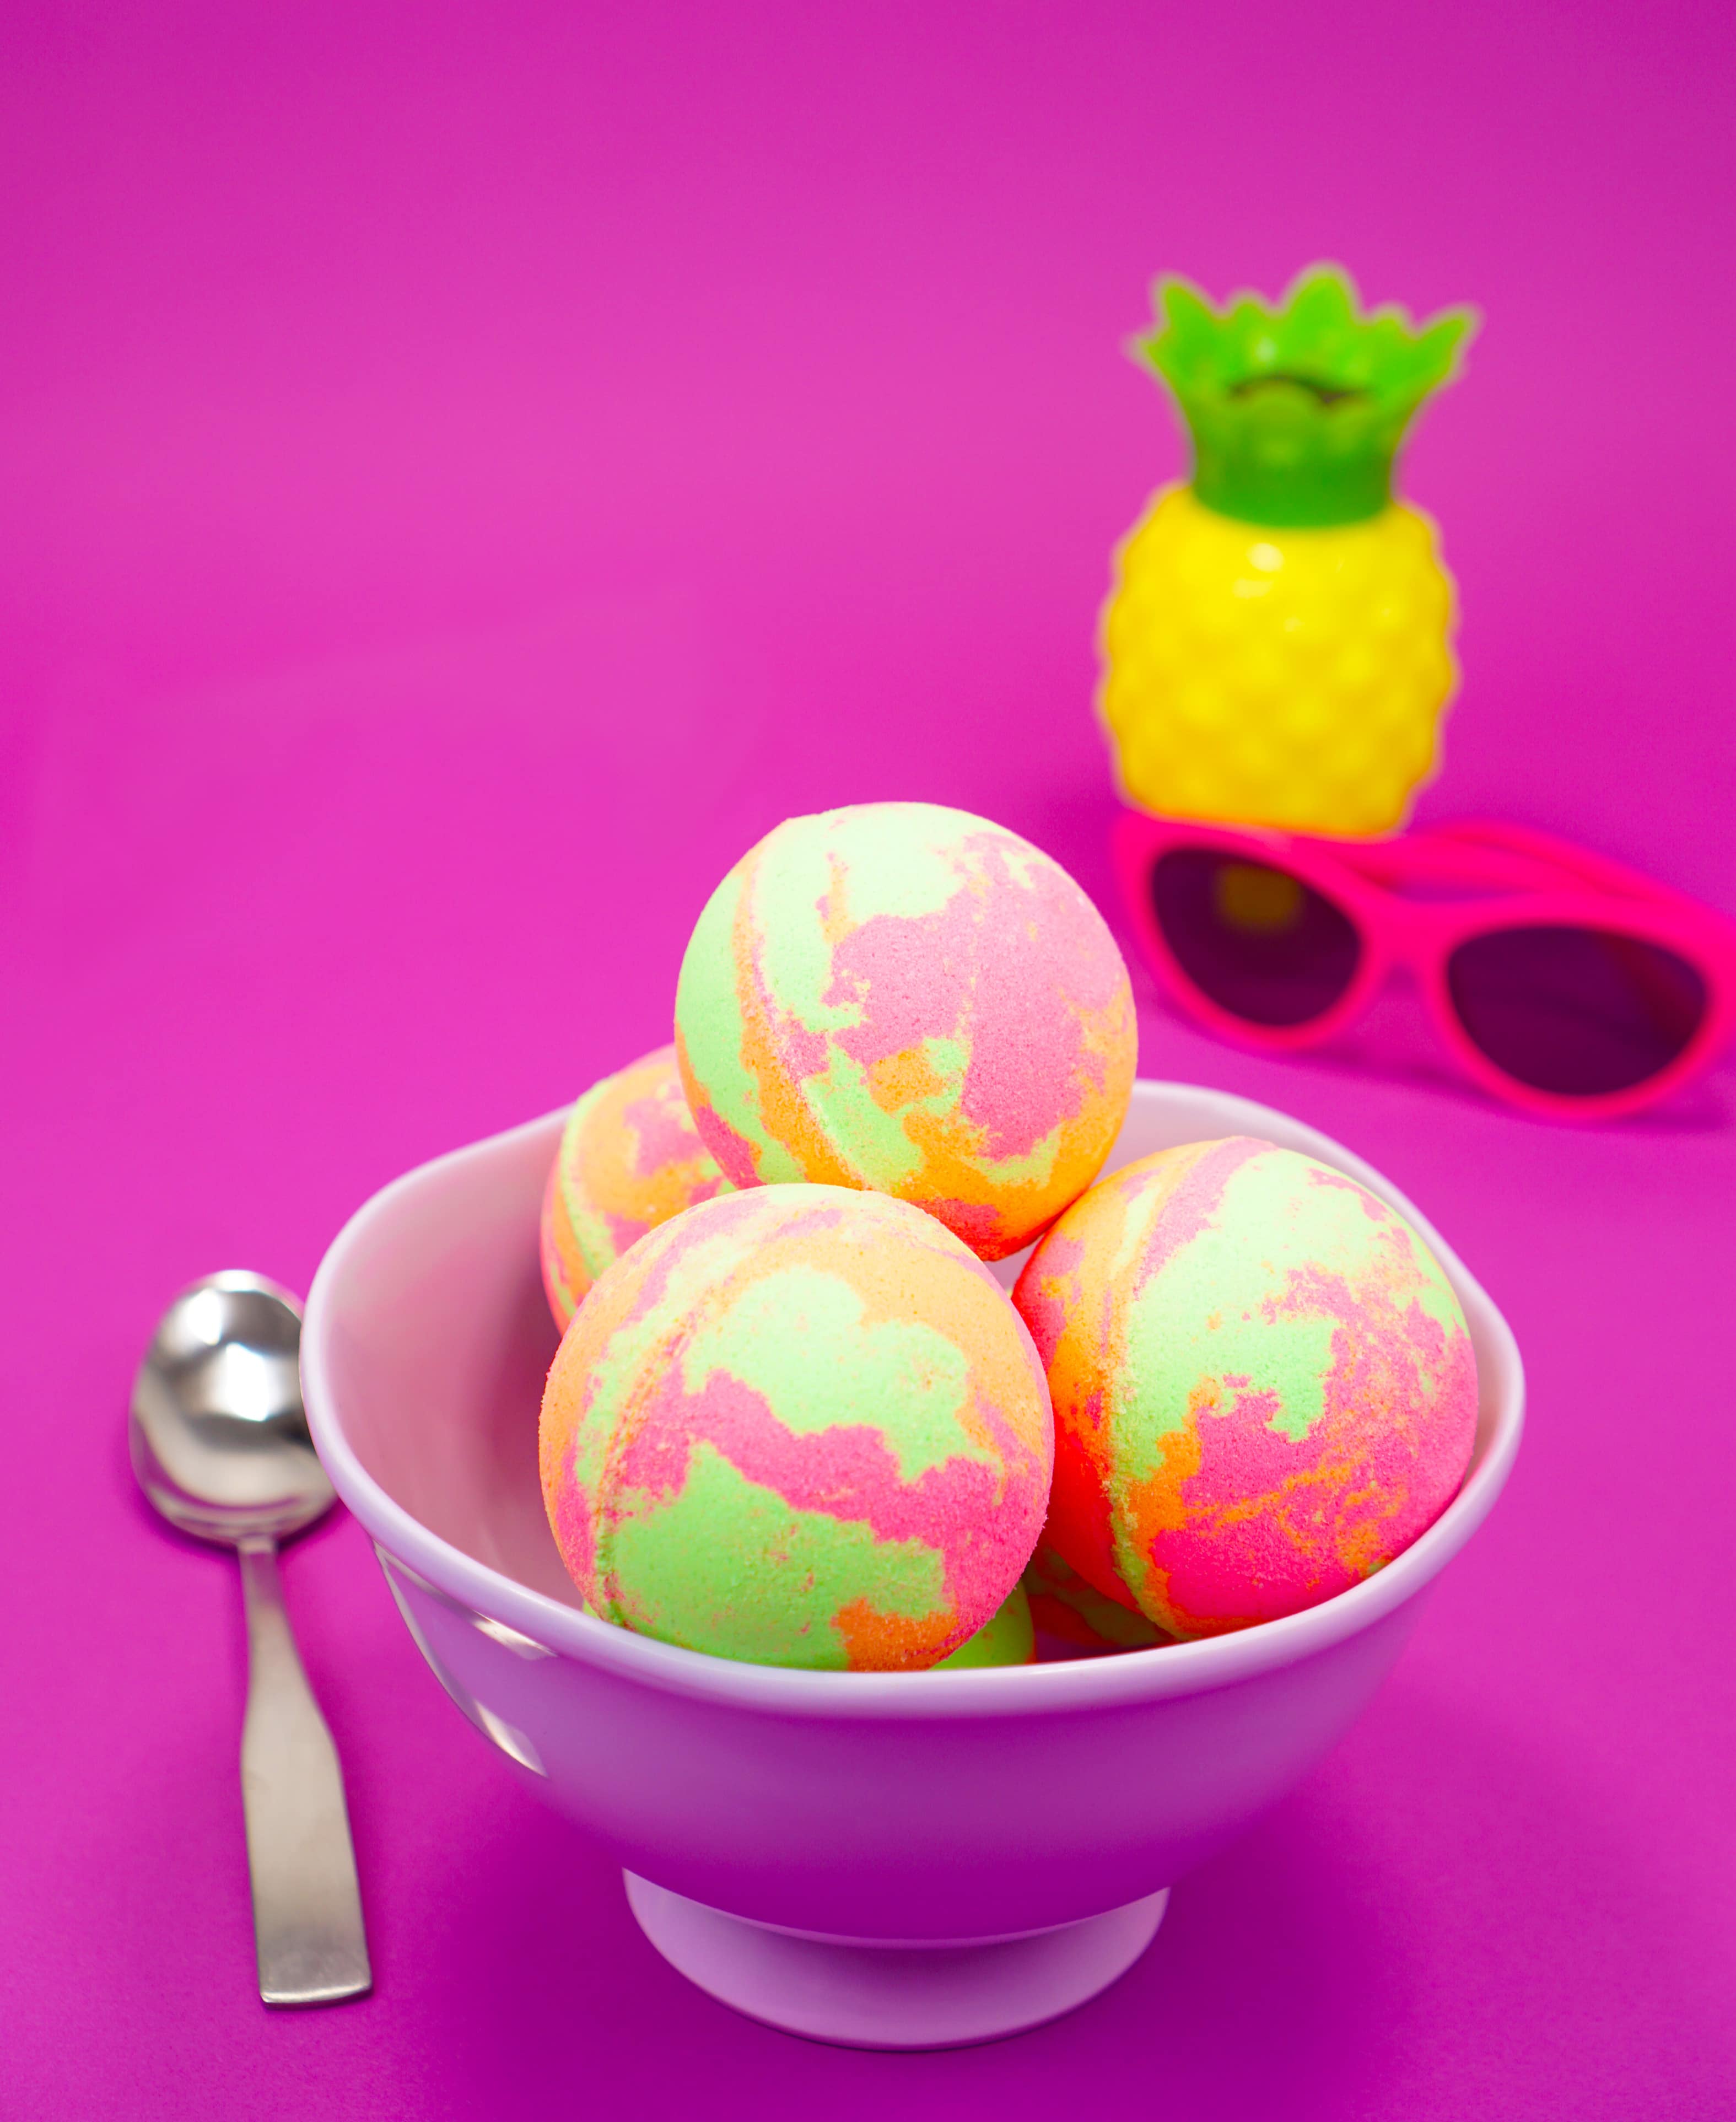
[{"x": 1564, "y": 982}]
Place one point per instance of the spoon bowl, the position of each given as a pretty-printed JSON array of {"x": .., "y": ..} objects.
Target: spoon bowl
[{"x": 217, "y": 1432}]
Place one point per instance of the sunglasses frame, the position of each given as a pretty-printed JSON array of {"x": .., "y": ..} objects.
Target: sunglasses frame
[{"x": 1524, "y": 879}]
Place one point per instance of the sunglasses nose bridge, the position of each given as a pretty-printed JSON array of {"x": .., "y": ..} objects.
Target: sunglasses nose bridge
[{"x": 1416, "y": 936}]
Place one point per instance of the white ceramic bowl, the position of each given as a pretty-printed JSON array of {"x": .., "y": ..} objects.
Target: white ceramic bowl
[{"x": 858, "y": 1856}]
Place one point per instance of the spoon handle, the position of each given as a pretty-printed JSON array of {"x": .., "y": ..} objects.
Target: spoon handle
[{"x": 306, "y": 1903}]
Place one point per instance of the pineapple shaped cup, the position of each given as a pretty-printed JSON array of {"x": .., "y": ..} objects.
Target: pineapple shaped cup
[{"x": 1277, "y": 642}]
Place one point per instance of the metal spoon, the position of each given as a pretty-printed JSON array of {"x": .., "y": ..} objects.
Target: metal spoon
[{"x": 220, "y": 1444}]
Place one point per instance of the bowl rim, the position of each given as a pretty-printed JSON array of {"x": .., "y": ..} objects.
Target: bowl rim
[{"x": 1200, "y": 1666}]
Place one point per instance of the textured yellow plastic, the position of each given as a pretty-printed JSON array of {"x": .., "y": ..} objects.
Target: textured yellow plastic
[{"x": 1293, "y": 677}]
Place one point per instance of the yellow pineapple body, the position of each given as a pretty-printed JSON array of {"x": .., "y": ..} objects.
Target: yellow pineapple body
[{"x": 1293, "y": 677}]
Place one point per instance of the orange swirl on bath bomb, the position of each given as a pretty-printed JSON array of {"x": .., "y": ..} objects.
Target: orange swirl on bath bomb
[
  {"x": 1263, "y": 1386},
  {"x": 908, "y": 999},
  {"x": 800, "y": 1426},
  {"x": 630, "y": 1158}
]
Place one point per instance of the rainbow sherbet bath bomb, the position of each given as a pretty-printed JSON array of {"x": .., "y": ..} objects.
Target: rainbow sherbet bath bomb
[
  {"x": 1262, "y": 1384},
  {"x": 629, "y": 1159},
  {"x": 801, "y": 1425},
  {"x": 911, "y": 1000}
]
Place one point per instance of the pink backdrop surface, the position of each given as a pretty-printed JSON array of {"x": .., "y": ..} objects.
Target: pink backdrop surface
[{"x": 468, "y": 472}]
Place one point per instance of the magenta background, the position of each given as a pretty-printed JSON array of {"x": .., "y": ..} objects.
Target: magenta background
[{"x": 467, "y": 471}]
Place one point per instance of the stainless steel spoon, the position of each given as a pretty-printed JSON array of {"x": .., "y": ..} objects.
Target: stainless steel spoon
[{"x": 220, "y": 1444}]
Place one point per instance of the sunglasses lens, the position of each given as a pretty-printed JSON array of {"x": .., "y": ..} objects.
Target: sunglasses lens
[
  {"x": 1578, "y": 1012},
  {"x": 1256, "y": 941}
]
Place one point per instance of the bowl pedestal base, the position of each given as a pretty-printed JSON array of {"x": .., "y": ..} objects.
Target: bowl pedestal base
[{"x": 867, "y": 1993}]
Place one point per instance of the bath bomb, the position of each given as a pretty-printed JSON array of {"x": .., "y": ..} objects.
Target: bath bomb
[
  {"x": 1262, "y": 1384},
  {"x": 629, "y": 1159},
  {"x": 1076, "y": 1617},
  {"x": 908, "y": 999},
  {"x": 798, "y": 1425},
  {"x": 1010, "y": 1638}
]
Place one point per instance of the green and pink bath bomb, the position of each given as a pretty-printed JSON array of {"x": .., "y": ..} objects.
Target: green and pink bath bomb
[
  {"x": 1263, "y": 1387},
  {"x": 629, "y": 1159},
  {"x": 909, "y": 999},
  {"x": 798, "y": 1425}
]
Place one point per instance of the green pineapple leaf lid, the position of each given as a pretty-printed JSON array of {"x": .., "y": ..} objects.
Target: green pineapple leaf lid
[{"x": 1297, "y": 412}]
